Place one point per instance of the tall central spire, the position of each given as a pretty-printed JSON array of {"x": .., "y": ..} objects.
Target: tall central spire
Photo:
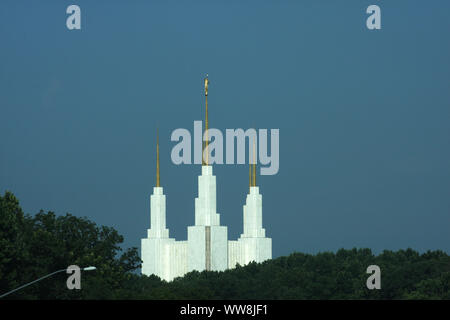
[
  {"x": 205, "y": 161},
  {"x": 252, "y": 165},
  {"x": 157, "y": 158}
]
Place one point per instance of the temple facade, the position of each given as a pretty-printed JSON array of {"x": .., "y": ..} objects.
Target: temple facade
[{"x": 207, "y": 246}]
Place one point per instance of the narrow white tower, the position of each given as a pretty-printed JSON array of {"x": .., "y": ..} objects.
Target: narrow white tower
[
  {"x": 155, "y": 248},
  {"x": 255, "y": 246},
  {"x": 207, "y": 239},
  {"x": 253, "y": 215},
  {"x": 158, "y": 205}
]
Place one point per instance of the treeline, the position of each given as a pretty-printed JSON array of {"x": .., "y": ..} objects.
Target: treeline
[
  {"x": 33, "y": 246},
  {"x": 405, "y": 274}
]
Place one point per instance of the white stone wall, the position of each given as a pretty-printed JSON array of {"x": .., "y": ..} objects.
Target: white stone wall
[
  {"x": 154, "y": 256},
  {"x": 207, "y": 245},
  {"x": 234, "y": 253},
  {"x": 148, "y": 258},
  {"x": 219, "y": 248},
  {"x": 255, "y": 249},
  {"x": 165, "y": 258},
  {"x": 196, "y": 248},
  {"x": 246, "y": 250},
  {"x": 178, "y": 260}
]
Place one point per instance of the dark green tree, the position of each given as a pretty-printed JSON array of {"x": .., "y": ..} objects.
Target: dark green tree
[{"x": 33, "y": 246}]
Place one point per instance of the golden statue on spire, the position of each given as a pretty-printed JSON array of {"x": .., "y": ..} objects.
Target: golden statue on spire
[{"x": 206, "y": 85}]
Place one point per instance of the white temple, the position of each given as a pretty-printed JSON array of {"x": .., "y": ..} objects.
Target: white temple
[{"x": 207, "y": 246}]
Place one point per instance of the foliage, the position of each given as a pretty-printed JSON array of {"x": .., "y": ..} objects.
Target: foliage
[
  {"x": 34, "y": 246},
  {"x": 342, "y": 275},
  {"x": 31, "y": 247}
]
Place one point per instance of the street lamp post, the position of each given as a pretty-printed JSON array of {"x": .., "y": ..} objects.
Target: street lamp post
[{"x": 41, "y": 278}]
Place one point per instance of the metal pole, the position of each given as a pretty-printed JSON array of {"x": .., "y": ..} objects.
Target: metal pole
[{"x": 29, "y": 283}]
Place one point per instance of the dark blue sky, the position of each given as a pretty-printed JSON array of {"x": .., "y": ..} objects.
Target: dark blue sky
[{"x": 364, "y": 116}]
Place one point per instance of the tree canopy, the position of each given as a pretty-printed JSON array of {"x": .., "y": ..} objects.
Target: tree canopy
[{"x": 33, "y": 246}]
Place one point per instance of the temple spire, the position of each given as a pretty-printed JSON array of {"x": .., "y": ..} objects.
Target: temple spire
[
  {"x": 249, "y": 176},
  {"x": 157, "y": 158},
  {"x": 254, "y": 164},
  {"x": 205, "y": 161}
]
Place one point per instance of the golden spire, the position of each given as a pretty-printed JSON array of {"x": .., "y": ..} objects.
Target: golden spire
[
  {"x": 205, "y": 161},
  {"x": 249, "y": 176},
  {"x": 157, "y": 158},
  {"x": 254, "y": 165}
]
